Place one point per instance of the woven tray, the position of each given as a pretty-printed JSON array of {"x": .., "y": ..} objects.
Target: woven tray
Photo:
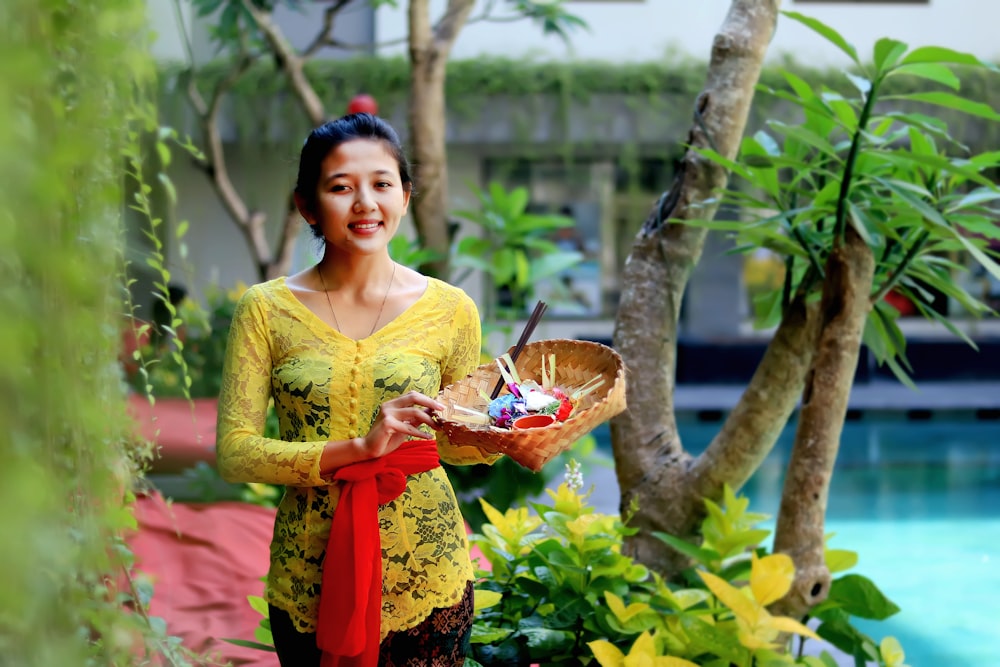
[{"x": 577, "y": 362}]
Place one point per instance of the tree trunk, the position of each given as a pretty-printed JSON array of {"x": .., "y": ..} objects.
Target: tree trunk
[
  {"x": 844, "y": 308},
  {"x": 650, "y": 461},
  {"x": 429, "y": 49}
]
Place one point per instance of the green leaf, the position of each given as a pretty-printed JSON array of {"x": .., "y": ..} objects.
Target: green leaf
[
  {"x": 863, "y": 85},
  {"x": 767, "y": 309},
  {"x": 950, "y": 101},
  {"x": 547, "y": 641},
  {"x": 858, "y": 596},
  {"x": 713, "y": 640},
  {"x": 968, "y": 169},
  {"x": 806, "y": 136},
  {"x": 887, "y": 53},
  {"x": 836, "y": 628},
  {"x": 705, "y": 556},
  {"x": 911, "y": 194},
  {"x": 985, "y": 260},
  {"x": 974, "y": 198},
  {"x": 827, "y": 33},
  {"x": 931, "y": 71},
  {"x": 258, "y": 604},
  {"x": 484, "y": 634},
  {"x": 246, "y": 643},
  {"x": 940, "y": 54},
  {"x": 730, "y": 165}
]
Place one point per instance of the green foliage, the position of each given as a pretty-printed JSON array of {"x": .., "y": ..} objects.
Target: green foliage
[
  {"x": 559, "y": 591},
  {"x": 515, "y": 250},
  {"x": 263, "y": 639},
  {"x": 188, "y": 362},
  {"x": 550, "y": 15},
  {"x": 506, "y": 484},
  {"x": 74, "y": 79},
  {"x": 882, "y": 164},
  {"x": 555, "y": 90}
]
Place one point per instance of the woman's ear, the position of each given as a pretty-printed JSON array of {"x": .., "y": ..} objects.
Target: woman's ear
[
  {"x": 406, "y": 199},
  {"x": 304, "y": 209}
]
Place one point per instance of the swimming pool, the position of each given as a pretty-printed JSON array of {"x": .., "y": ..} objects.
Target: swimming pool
[{"x": 920, "y": 503}]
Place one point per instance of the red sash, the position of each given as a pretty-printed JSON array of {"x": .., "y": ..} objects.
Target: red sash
[{"x": 350, "y": 605}]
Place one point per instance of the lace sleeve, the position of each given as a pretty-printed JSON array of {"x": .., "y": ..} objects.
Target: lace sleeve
[
  {"x": 243, "y": 454},
  {"x": 464, "y": 358}
]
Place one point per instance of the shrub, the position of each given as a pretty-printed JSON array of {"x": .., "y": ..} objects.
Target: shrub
[{"x": 559, "y": 591}]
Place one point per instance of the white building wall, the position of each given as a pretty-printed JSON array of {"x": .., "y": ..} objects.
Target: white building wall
[
  {"x": 646, "y": 30},
  {"x": 626, "y": 30}
]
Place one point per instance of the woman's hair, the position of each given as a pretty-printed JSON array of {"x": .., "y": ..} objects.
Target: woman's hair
[{"x": 327, "y": 137}]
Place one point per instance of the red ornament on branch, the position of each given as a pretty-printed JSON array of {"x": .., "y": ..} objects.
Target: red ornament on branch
[{"x": 363, "y": 103}]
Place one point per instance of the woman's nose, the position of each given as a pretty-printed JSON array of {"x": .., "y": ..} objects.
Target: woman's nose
[{"x": 364, "y": 201}]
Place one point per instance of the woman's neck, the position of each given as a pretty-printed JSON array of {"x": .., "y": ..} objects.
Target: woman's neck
[{"x": 353, "y": 273}]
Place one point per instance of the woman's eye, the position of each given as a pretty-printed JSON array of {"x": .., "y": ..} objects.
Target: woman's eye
[
  {"x": 338, "y": 188},
  {"x": 383, "y": 184}
]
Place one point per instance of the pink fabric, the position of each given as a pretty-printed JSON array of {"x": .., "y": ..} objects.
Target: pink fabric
[
  {"x": 183, "y": 430},
  {"x": 204, "y": 560},
  {"x": 350, "y": 606}
]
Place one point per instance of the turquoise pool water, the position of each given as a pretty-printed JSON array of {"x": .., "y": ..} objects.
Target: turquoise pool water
[{"x": 920, "y": 503}]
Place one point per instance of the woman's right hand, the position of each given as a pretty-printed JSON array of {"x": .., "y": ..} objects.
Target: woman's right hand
[{"x": 397, "y": 421}]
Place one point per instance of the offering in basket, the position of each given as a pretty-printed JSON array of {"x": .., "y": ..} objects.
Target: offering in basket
[{"x": 551, "y": 394}]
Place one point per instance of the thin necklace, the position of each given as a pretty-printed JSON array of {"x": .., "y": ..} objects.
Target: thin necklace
[{"x": 380, "y": 308}]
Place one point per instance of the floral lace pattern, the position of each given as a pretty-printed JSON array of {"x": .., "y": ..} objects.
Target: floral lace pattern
[{"x": 326, "y": 386}]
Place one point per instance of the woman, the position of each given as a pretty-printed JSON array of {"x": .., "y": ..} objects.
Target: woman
[{"x": 351, "y": 351}]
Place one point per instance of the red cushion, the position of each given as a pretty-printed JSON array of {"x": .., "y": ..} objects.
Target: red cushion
[
  {"x": 204, "y": 560},
  {"x": 183, "y": 430}
]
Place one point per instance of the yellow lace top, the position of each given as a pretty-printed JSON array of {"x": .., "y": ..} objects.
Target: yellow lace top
[{"x": 327, "y": 386}]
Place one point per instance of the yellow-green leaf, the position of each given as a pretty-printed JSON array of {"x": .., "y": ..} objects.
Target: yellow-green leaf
[
  {"x": 839, "y": 560},
  {"x": 892, "y": 652},
  {"x": 566, "y": 500},
  {"x": 771, "y": 577},
  {"x": 785, "y": 624},
  {"x": 492, "y": 514},
  {"x": 622, "y": 613},
  {"x": 752, "y": 640},
  {"x": 744, "y": 608},
  {"x": 606, "y": 653},
  {"x": 486, "y": 599},
  {"x": 671, "y": 661},
  {"x": 642, "y": 653}
]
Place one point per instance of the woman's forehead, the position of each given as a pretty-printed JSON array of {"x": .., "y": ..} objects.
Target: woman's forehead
[{"x": 361, "y": 156}]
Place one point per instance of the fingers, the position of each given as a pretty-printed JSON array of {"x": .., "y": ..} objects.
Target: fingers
[
  {"x": 399, "y": 419},
  {"x": 408, "y": 420},
  {"x": 415, "y": 398}
]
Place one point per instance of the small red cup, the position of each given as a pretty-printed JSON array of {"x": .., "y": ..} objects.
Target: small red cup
[{"x": 534, "y": 421}]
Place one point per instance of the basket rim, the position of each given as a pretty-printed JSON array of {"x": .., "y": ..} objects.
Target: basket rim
[{"x": 593, "y": 346}]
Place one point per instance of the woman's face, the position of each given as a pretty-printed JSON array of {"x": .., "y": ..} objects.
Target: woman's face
[{"x": 360, "y": 197}]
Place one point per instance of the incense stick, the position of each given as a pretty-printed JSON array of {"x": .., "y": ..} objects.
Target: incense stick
[{"x": 529, "y": 328}]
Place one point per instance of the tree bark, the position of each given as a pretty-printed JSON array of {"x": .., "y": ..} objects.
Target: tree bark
[
  {"x": 650, "y": 461},
  {"x": 429, "y": 49},
  {"x": 800, "y": 528}
]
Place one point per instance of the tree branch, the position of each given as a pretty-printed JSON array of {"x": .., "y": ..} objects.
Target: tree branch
[
  {"x": 323, "y": 37},
  {"x": 664, "y": 255},
  {"x": 900, "y": 271},
  {"x": 286, "y": 242},
  {"x": 800, "y": 526},
  {"x": 650, "y": 462},
  {"x": 448, "y": 26},
  {"x": 291, "y": 63},
  {"x": 756, "y": 422},
  {"x": 429, "y": 49}
]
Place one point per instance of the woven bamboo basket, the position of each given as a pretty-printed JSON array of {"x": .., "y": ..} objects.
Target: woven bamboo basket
[{"x": 577, "y": 363}]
